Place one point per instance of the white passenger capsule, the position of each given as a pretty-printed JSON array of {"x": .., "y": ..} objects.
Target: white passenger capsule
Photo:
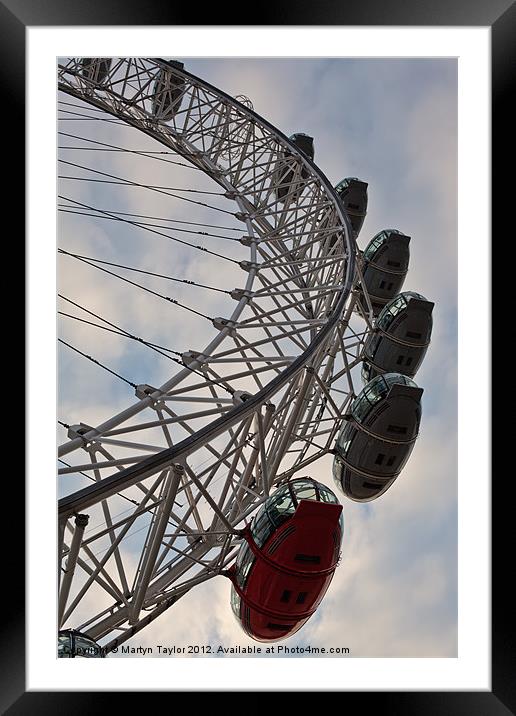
[
  {"x": 289, "y": 172},
  {"x": 72, "y": 644},
  {"x": 353, "y": 194},
  {"x": 168, "y": 92},
  {"x": 400, "y": 337},
  {"x": 385, "y": 265},
  {"x": 378, "y": 436},
  {"x": 96, "y": 69}
]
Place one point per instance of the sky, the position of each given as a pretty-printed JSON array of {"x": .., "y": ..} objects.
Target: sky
[{"x": 392, "y": 123}]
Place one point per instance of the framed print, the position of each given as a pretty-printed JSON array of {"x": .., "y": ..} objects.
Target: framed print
[{"x": 227, "y": 333}]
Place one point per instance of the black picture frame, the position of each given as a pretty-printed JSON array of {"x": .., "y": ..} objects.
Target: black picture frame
[{"x": 500, "y": 15}]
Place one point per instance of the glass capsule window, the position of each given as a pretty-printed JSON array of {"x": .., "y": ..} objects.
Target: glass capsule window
[
  {"x": 244, "y": 563},
  {"x": 71, "y": 644},
  {"x": 64, "y": 646},
  {"x": 337, "y": 470},
  {"x": 262, "y": 528},
  {"x": 367, "y": 369},
  {"x": 394, "y": 307},
  {"x": 393, "y": 378},
  {"x": 86, "y": 647},
  {"x": 378, "y": 241},
  {"x": 96, "y": 69},
  {"x": 306, "y": 492},
  {"x": 282, "y": 505},
  {"x": 326, "y": 495},
  {"x": 345, "y": 437},
  {"x": 374, "y": 391},
  {"x": 303, "y": 142},
  {"x": 235, "y": 603},
  {"x": 272, "y": 514},
  {"x": 279, "y": 507},
  {"x": 360, "y": 408},
  {"x": 345, "y": 183},
  {"x": 374, "y": 245}
]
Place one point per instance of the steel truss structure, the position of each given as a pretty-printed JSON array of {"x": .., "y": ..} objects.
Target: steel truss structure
[{"x": 195, "y": 457}]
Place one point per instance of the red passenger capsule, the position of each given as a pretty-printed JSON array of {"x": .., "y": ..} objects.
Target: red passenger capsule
[{"x": 287, "y": 562}]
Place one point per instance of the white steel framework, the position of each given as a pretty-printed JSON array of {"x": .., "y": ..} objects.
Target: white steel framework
[{"x": 263, "y": 399}]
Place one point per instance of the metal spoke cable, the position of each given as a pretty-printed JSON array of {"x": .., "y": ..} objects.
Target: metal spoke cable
[
  {"x": 138, "y": 285},
  {"x": 162, "y": 218},
  {"x": 141, "y": 152},
  {"x": 105, "y": 549},
  {"x": 128, "y": 182},
  {"x": 118, "y": 333},
  {"x": 153, "y": 346},
  {"x": 94, "y": 360},
  {"x": 148, "y": 273},
  {"x": 136, "y": 151},
  {"x": 92, "y": 479},
  {"x": 129, "y": 534},
  {"x": 69, "y": 210},
  {"x": 91, "y": 530},
  {"x": 126, "y": 334},
  {"x": 154, "y": 231},
  {"x": 96, "y": 526},
  {"x": 63, "y": 207},
  {"x": 85, "y": 108},
  {"x": 84, "y": 118},
  {"x": 145, "y": 152},
  {"x": 119, "y": 330},
  {"x": 157, "y": 189},
  {"x": 124, "y": 182},
  {"x": 119, "y": 494}
]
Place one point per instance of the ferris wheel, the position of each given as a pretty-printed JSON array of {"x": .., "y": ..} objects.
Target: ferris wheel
[{"x": 286, "y": 318}]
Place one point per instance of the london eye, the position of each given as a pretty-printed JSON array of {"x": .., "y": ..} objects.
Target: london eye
[{"x": 220, "y": 331}]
